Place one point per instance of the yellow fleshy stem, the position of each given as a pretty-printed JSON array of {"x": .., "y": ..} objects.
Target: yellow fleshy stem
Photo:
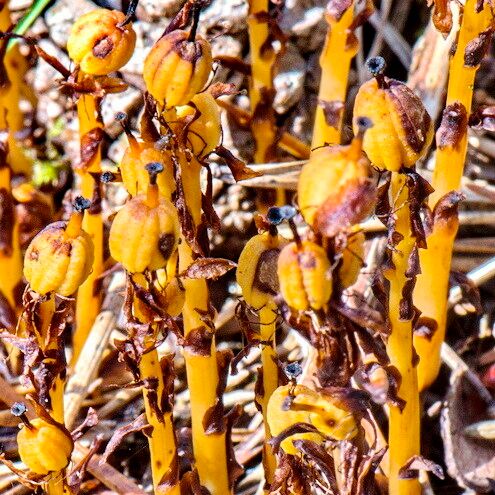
[
  {"x": 268, "y": 317},
  {"x": 404, "y": 426},
  {"x": 88, "y": 299},
  {"x": 431, "y": 292},
  {"x": 261, "y": 78},
  {"x": 55, "y": 485},
  {"x": 335, "y": 62},
  {"x": 162, "y": 441},
  {"x": 11, "y": 117},
  {"x": 210, "y": 452},
  {"x": 11, "y": 261}
]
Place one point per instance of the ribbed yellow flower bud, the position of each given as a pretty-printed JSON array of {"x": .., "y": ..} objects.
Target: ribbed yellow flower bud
[
  {"x": 44, "y": 447},
  {"x": 292, "y": 404},
  {"x": 145, "y": 232},
  {"x": 402, "y": 129},
  {"x": 177, "y": 67},
  {"x": 101, "y": 42},
  {"x": 304, "y": 276},
  {"x": 60, "y": 257}
]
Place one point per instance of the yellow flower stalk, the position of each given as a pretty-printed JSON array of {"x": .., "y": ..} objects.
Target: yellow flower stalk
[
  {"x": 57, "y": 261},
  {"x": 431, "y": 292},
  {"x": 10, "y": 252},
  {"x": 144, "y": 237},
  {"x": 401, "y": 134},
  {"x": 88, "y": 300},
  {"x": 335, "y": 62},
  {"x": 404, "y": 425},
  {"x": 101, "y": 41},
  {"x": 210, "y": 452},
  {"x": 11, "y": 117},
  {"x": 256, "y": 275},
  {"x": 261, "y": 84}
]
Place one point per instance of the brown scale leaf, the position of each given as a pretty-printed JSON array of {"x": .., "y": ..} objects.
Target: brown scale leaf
[
  {"x": 208, "y": 268},
  {"x": 198, "y": 341},
  {"x": 90, "y": 420},
  {"x": 53, "y": 62},
  {"x": 442, "y": 15},
  {"x": 291, "y": 431},
  {"x": 332, "y": 110},
  {"x": 318, "y": 455},
  {"x": 171, "y": 477},
  {"x": 354, "y": 202},
  {"x": 149, "y": 132},
  {"x": 214, "y": 421},
  {"x": 476, "y": 49},
  {"x": 139, "y": 424},
  {"x": 445, "y": 211},
  {"x": 190, "y": 484},
  {"x": 425, "y": 327},
  {"x": 90, "y": 145},
  {"x": 419, "y": 463},
  {"x": 240, "y": 171},
  {"x": 6, "y": 221},
  {"x": 291, "y": 476},
  {"x": 77, "y": 473},
  {"x": 453, "y": 126}
]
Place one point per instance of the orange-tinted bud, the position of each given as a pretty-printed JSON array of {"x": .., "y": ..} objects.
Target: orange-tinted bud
[
  {"x": 402, "y": 129},
  {"x": 205, "y": 131},
  {"x": 145, "y": 232},
  {"x": 290, "y": 405},
  {"x": 43, "y": 447},
  {"x": 177, "y": 68},
  {"x": 352, "y": 259},
  {"x": 304, "y": 276},
  {"x": 133, "y": 168},
  {"x": 60, "y": 257},
  {"x": 327, "y": 174},
  {"x": 99, "y": 43},
  {"x": 257, "y": 269}
]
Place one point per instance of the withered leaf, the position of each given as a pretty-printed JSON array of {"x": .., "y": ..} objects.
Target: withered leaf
[
  {"x": 208, "y": 268},
  {"x": 418, "y": 463},
  {"x": 139, "y": 424},
  {"x": 354, "y": 202},
  {"x": 222, "y": 89},
  {"x": 291, "y": 431},
  {"x": 90, "y": 420},
  {"x": 332, "y": 110},
  {"x": 6, "y": 221},
  {"x": 53, "y": 61},
  {"x": 234, "y": 63},
  {"x": 76, "y": 474},
  {"x": 322, "y": 459},
  {"x": 239, "y": 169},
  {"x": 476, "y": 49},
  {"x": 442, "y": 15},
  {"x": 453, "y": 126},
  {"x": 337, "y": 8},
  {"x": 198, "y": 341},
  {"x": 469, "y": 290},
  {"x": 90, "y": 145}
]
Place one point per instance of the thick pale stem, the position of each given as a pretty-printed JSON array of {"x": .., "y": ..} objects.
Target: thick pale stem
[
  {"x": 335, "y": 62},
  {"x": 55, "y": 486},
  {"x": 11, "y": 117},
  {"x": 162, "y": 441},
  {"x": 261, "y": 78},
  {"x": 210, "y": 452},
  {"x": 431, "y": 292},
  {"x": 404, "y": 426},
  {"x": 267, "y": 316},
  {"x": 11, "y": 259},
  {"x": 88, "y": 298}
]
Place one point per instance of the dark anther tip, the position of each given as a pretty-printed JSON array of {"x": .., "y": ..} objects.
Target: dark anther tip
[
  {"x": 363, "y": 124},
  {"x": 121, "y": 116},
  {"x": 80, "y": 204},
  {"x": 277, "y": 214},
  {"x": 376, "y": 66},
  {"x": 18, "y": 409},
  {"x": 107, "y": 177},
  {"x": 154, "y": 168},
  {"x": 293, "y": 370}
]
